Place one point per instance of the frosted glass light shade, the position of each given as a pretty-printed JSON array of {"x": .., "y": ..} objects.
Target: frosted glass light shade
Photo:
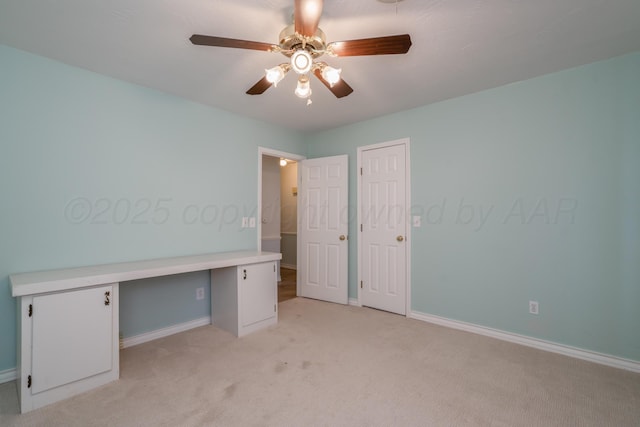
[
  {"x": 303, "y": 90},
  {"x": 331, "y": 75},
  {"x": 274, "y": 75},
  {"x": 301, "y": 61}
]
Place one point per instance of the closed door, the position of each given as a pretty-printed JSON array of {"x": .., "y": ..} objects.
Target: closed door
[
  {"x": 383, "y": 215},
  {"x": 323, "y": 227}
]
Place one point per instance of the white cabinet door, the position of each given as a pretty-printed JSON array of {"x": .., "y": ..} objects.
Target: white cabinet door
[
  {"x": 258, "y": 289},
  {"x": 72, "y": 337},
  {"x": 244, "y": 298}
]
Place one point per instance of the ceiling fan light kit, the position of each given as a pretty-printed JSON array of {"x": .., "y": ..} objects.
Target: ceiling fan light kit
[{"x": 302, "y": 43}]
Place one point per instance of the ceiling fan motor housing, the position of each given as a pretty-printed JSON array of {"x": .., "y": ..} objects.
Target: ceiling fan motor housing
[{"x": 290, "y": 41}]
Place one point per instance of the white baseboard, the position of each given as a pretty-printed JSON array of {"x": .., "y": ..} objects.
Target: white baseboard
[
  {"x": 8, "y": 375},
  {"x": 354, "y": 301},
  {"x": 578, "y": 353},
  {"x": 165, "y": 332},
  {"x": 289, "y": 266},
  {"x": 11, "y": 374}
]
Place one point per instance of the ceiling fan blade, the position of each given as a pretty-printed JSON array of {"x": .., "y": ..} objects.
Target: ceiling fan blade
[
  {"x": 388, "y": 45},
  {"x": 306, "y": 16},
  {"x": 260, "y": 87},
  {"x": 199, "y": 39},
  {"x": 340, "y": 89}
]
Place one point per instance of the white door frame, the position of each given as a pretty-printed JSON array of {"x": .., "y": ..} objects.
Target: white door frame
[
  {"x": 407, "y": 143},
  {"x": 263, "y": 151}
]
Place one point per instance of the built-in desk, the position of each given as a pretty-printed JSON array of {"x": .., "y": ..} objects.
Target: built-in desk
[{"x": 68, "y": 325}]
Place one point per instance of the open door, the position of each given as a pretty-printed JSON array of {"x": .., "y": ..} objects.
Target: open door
[{"x": 322, "y": 228}]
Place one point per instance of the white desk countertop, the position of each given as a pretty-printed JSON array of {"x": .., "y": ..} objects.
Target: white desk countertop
[{"x": 65, "y": 279}]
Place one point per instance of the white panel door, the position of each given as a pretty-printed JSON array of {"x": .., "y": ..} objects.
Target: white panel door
[
  {"x": 383, "y": 217},
  {"x": 323, "y": 216},
  {"x": 72, "y": 336}
]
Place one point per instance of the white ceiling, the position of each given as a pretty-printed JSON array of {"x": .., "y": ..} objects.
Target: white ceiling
[{"x": 459, "y": 47}]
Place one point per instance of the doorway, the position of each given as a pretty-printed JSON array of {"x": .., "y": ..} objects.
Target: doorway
[
  {"x": 321, "y": 235},
  {"x": 277, "y": 214}
]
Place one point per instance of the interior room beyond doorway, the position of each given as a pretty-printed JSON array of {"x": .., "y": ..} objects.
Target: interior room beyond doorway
[{"x": 278, "y": 218}]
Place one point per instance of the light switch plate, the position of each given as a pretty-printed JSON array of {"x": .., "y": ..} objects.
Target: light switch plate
[
  {"x": 252, "y": 222},
  {"x": 245, "y": 222}
]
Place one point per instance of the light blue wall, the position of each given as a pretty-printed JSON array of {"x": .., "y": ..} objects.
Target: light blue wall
[
  {"x": 552, "y": 163},
  {"x": 74, "y": 143},
  {"x": 95, "y": 170},
  {"x": 151, "y": 304}
]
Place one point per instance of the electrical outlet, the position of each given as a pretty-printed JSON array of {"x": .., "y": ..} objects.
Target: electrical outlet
[
  {"x": 533, "y": 307},
  {"x": 200, "y": 293}
]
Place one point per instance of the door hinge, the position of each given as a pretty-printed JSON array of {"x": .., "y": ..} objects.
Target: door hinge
[
  {"x": 274, "y": 307},
  {"x": 30, "y": 310},
  {"x": 360, "y": 284},
  {"x": 361, "y": 228},
  {"x": 29, "y": 381},
  {"x": 360, "y": 171},
  {"x": 274, "y": 268}
]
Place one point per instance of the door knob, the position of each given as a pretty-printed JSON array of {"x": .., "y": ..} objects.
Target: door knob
[
  {"x": 399, "y": 238},
  {"x": 343, "y": 237}
]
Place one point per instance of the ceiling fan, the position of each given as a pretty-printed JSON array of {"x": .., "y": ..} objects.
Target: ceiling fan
[{"x": 303, "y": 42}]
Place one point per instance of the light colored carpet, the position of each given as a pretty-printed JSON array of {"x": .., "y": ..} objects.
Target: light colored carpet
[{"x": 331, "y": 365}]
